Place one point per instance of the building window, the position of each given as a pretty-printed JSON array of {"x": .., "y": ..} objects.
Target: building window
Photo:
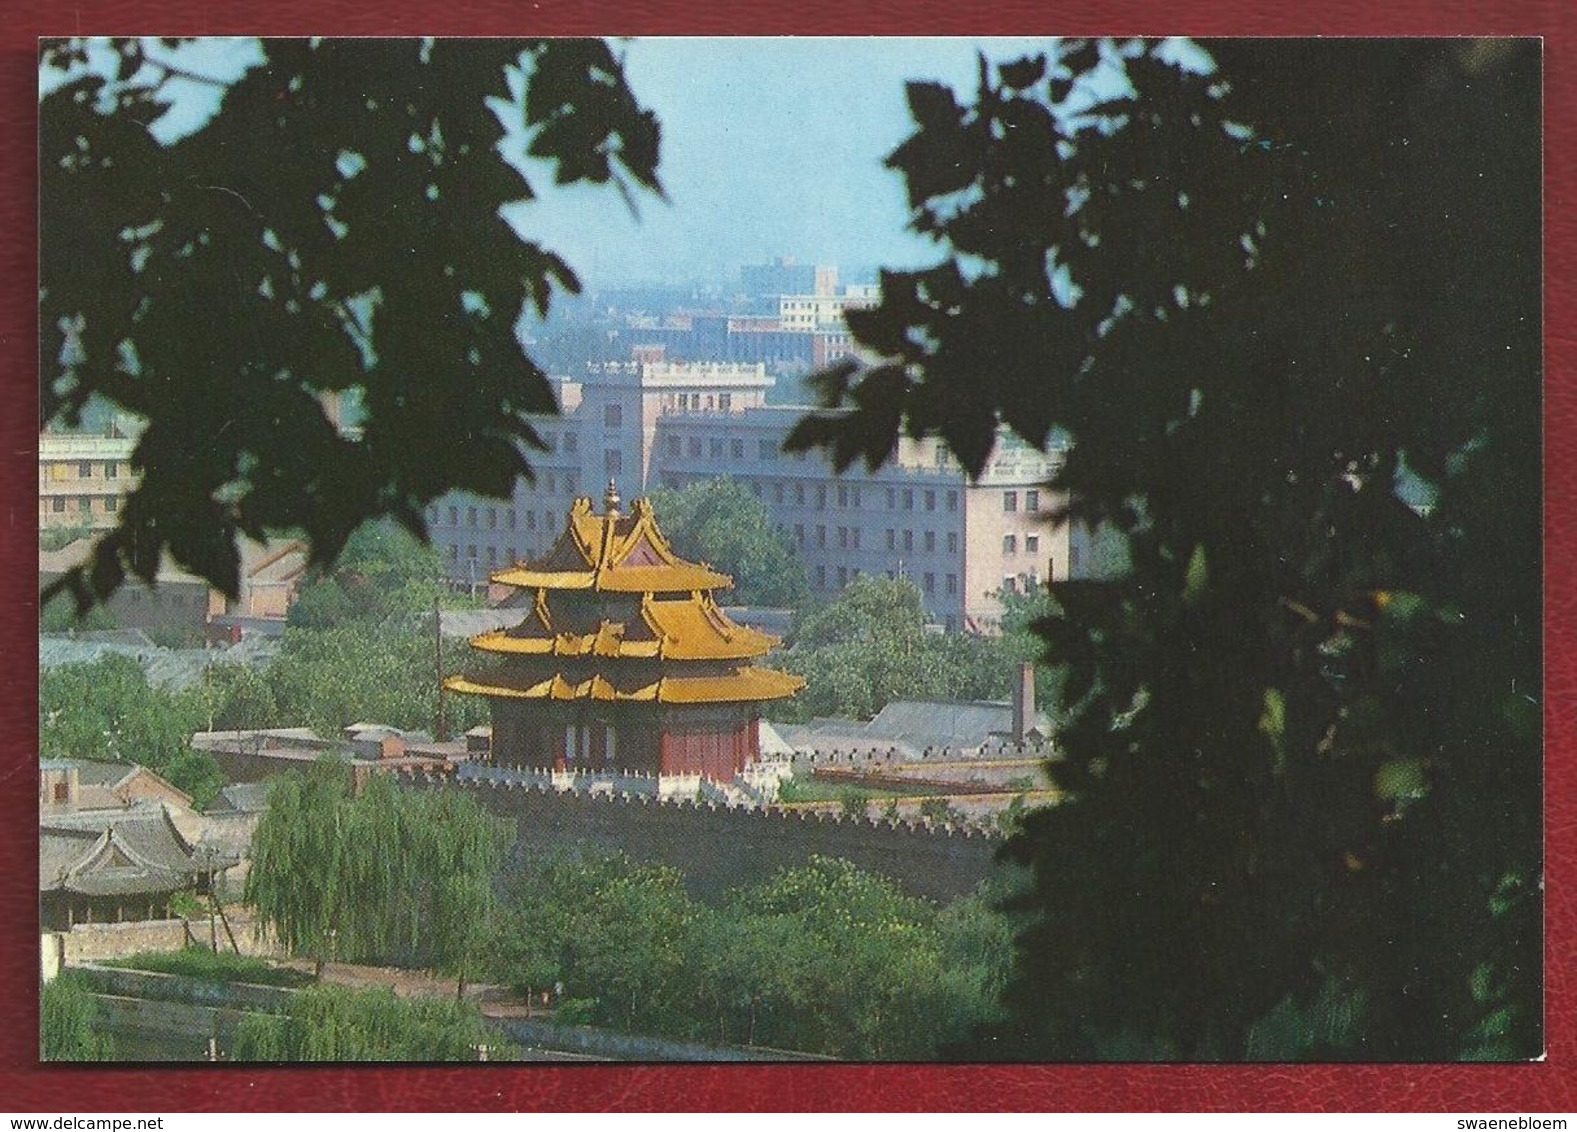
[
  {"x": 725, "y": 401},
  {"x": 454, "y": 516},
  {"x": 695, "y": 448},
  {"x": 571, "y": 442},
  {"x": 58, "y": 504},
  {"x": 843, "y": 576},
  {"x": 613, "y": 415},
  {"x": 736, "y": 449},
  {"x": 85, "y": 470},
  {"x": 111, "y": 470},
  {"x": 111, "y": 504},
  {"x": 766, "y": 450},
  {"x": 1032, "y": 500},
  {"x": 821, "y": 577},
  {"x": 856, "y": 533},
  {"x": 755, "y": 486},
  {"x": 1010, "y": 501},
  {"x": 553, "y": 483},
  {"x": 908, "y": 540},
  {"x": 531, "y": 520},
  {"x": 821, "y": 498},
  {"x": 1009, "y": 544},
  {"x": 492, "y": 556},
  {"x": 892, "y": 499},
  {"x": 821, "y": 537},
  {"x": 675, "y": 446},
  {"x": 613, "y": 461},
  {"x": 492, "y": 518},
  {"x": 510, "y": 518},
  {"x": 470, "y": 517},
  {"x": 855, "y": 493},
  {"x": 930, "y": 542},
  {"x": 952, "y": 542},
  {"x": 85, "y": 504},
  {"x": 799, "y": 495},
  {"x": 930, "y": 500},
  {"x": 799, "y": 534},
  {"x": 892, "y": 538},
  {"x": 843, "y": 538},
  {"x": 930, "y": 583},
  {"x": 1032, "y": 544},
  {"x": 715, "y": 449},
  {"x": 952, "y": 583},
  {"x": 952, "y": 501},
  {"x": 571, "y": 481},
  {"x": 470, "y": 551},
  {"x": 908, "y": 499},
  {"x": 843, "y": 496},
  {"x": 777, "y": 493}
]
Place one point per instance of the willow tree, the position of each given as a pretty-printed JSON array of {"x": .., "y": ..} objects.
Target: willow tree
[
  {"x": 386, "y": 874},
  {"x": 298, "y": 883},
  {"x": 1285, "y": 309}
]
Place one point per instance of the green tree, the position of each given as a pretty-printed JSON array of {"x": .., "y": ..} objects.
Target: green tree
[
  {"x": 329, "y": 1023},
  {"x": 871, "y": 645},
  {"x": 1302, "y": 738},
  {"x": 331, "y": 678},
  {"x": 340, "y": 215},
  {"x": 71, "y": 1022},
  {"x": 384, "y": 874},
  {"x": 720, "y": 522},
  {"x": 383, "y": 571},
  {"x": 107, "y": 709}
]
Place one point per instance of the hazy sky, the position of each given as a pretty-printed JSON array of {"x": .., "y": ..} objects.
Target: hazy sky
[{"x": 771, "y": 146}]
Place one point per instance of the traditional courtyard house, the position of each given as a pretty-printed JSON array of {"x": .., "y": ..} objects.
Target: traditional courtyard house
[
  {"x": 624, "y": 659},
  {"x": 107, "y": 866}
]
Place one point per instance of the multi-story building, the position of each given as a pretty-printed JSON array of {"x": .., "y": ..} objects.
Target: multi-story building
[
  {"x": 82, "y": 479},
  {"x": 822, "y": 312},
  {"x": 655, "y": 423}
]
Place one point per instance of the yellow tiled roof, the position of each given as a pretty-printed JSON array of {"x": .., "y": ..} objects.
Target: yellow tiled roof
[
  {"x": 612, "y": 552},
  {"x": 748, "y": 683}
]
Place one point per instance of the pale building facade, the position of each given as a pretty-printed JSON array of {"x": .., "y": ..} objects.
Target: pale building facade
[
  {"x": 668, "y": 424},
  {"x": 82, "y": 480}
]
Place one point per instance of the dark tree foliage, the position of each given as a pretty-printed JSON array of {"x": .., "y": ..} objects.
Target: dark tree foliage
[
  {"x": 335, "y": 229},
  {"x": 1304, "y": 728}
]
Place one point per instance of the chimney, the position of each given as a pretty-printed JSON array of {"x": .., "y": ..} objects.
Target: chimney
[{"x": 1023, "y": 701}]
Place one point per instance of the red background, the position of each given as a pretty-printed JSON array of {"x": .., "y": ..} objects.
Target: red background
[{"x": 24, "y": 1085}]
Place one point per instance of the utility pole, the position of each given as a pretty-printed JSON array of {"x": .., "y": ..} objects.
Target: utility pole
[{"x": 440, "y": 732}]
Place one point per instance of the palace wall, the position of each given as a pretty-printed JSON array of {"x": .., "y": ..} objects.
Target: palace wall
[{"x": 718, "y": 847}]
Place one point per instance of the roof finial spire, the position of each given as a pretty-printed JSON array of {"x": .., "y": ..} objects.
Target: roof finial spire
[{"x": 610, "y": 501}]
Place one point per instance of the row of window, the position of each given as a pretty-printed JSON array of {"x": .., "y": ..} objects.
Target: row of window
[
  {"x": 692, "y": 401},
  {"x": 927, "y": 580},
  {"x": 84, "y": 504},
  {"x": 1031, "y": 500},
  {"x": 1010, "y": 544},
  {"x": 59, "y": 470}
]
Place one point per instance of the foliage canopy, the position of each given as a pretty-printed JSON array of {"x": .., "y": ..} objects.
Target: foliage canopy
[
  {"x": 335, "y": 230},
  {"x": 1303, "y": 738}
]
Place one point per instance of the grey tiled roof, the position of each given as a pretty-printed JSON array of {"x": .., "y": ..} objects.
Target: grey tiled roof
[
  {"x": 111, "y": 853},
  {"x": 168, "y": 668}
]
